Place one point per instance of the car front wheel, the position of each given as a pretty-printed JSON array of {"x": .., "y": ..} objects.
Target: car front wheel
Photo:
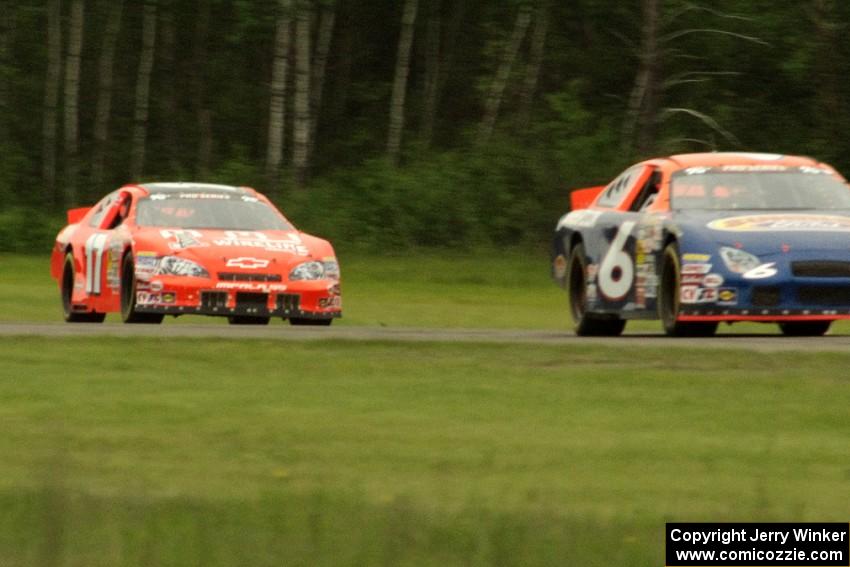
[
  {"x": 298, "y": 321},
  {"x": 128, "y": 296},
  {"x": 247, "y": 320},
  {"x": 668, "y": 299},
  {"x": 805, "y": 328}
]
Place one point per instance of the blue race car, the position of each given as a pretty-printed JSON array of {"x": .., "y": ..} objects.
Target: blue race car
[{"x": 698, "y": 239}]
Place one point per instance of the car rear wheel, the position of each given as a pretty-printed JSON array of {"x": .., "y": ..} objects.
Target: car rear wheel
[
  {"x": 668, "y": 299},
  {"x": 587, "y": 324},
  {"x": 805, "y": 328},
  {"x": 67, "y": 292},
  {"x": 247, "y": 320},
  {"x": 128, "y": 296},
  {"x": 298, "y": 321}
]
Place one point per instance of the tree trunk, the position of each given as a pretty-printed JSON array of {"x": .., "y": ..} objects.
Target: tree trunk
[
  {"x": 402, "y": 71},
  {"x": 827, "y": 70},
  {"x": 345, "y": 54},
  {"x": 104, "y": 97},
  {"x": 202, "y": 112},
  {"x": 535, "y": 61},
  {"x": 648, "y": 122},
  {"x": 323, "y": 46},
  {"x": 143, "y": 81},
  {"x": 72, "y": 92},
  {"x": 277, "y": 105},
  {"x": 168, "y": 97},
  {"x": 450, "y": 40},
  {"x": 432, "y": 71},
  {"x": 642, "y": 114},
  {"x": 51, "y": 97},
  {"x": 6, "y": 27},
  {"x": 301, "y": 126},
  {"x": 497, "y": 89}
]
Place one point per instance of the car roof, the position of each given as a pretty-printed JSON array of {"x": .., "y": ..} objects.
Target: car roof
[{"x": 716, "y": 159}]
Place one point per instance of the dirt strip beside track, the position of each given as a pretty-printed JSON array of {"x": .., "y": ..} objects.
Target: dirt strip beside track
[{"x": 761, "y": 343}]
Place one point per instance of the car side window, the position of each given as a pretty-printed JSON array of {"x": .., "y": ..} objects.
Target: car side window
[
  {"x": 618, "y": 189},
  {"x": 648, "y": 193},
  {"x": 101, "y": 209}
]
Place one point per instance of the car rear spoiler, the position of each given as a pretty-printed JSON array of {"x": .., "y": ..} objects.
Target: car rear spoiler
[
  {"x": 76, "y": 215},
  {"x": 583, "y": 198}
]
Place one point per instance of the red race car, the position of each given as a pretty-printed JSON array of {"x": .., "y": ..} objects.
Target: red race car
[{"x": 159, "y": 249}]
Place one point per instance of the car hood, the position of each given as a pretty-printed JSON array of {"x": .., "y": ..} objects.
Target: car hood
[
  {"x": 233, "y": 250},
  {"x": 766, "y": 232}
]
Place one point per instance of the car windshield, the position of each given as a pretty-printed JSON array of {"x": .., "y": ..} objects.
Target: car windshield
[
  {"x": 208, "y": 210},
  {"x": 726, "y": 188}
]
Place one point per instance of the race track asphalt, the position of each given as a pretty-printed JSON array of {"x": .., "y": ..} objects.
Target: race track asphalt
[{"x": 760, "y": 343}]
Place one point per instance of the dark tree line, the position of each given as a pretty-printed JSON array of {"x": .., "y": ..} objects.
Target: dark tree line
[{"x": 440, "y": 121}]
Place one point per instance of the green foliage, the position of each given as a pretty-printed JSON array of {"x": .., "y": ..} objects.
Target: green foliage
[{"x": 28, "y": 230}]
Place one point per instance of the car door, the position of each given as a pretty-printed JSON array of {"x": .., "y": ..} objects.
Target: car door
[
  {"x": 612, "y": 246},
  {"x": 101, "y": 251}
]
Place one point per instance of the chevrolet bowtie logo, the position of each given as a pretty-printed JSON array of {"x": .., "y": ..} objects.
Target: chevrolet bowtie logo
[{"x": 247, "y": 263}]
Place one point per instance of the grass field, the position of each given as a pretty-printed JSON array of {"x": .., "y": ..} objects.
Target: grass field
[
  {"x": 191, "y": 452},
  {"x": 483, "y": 290},
  {"x": 433, "y": 290}
]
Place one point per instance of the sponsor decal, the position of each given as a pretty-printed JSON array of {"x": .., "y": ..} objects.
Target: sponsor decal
[
  {"x": 693, "y": 294},
  {"x": 640, "y": 297},
  {"x": 183, "y": 238},
  {"x": 696, "y": 268},
  {"x": 760, "y": 156},
  {"x": 696, "y": 170},
  {"x": 691, "y": 279},
  {"x": 169, "y": 297},
  {"x": 814, "y": 170},
  {"x": 783, "y": 223},
  {"x": 189, "y": 195},
  {"x": 760, "y": 272},
  {"x": 146, "y": 264},
  {"x": 326, "y": 302},
  {"x": 251, "y": 286},
  {"x": 690, "y": 257},
  {"x": 753, "y": 168},
  {"x": 712, "y": 280},
  {"x": 592, "y": 271},
  {"x": 584, "y": 218},
  {"x": 156, "y": 286},
  {"x": 247, "y": 263},
  {"x": 252, "y": 239},
  {"x": 147, "y": 298},
  {"x": 591, "y": 292},
  {"x": 727, "y": 296},
  {"x": 559, "y": 267}
]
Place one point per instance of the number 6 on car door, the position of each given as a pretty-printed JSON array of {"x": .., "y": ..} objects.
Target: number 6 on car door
[{"x": 617, "y": 270}]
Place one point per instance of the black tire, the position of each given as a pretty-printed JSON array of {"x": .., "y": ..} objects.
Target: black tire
[
  {"x": 668, "y": 299},
  {"x": 128, "y": 296},
  {"x": 247, "y": 320},
  {"x": 298, "y": 321},
  {"x": 587, "y": 324},
  {"x": 805, "y": 328},
  {"x": 67, "y": 290}
]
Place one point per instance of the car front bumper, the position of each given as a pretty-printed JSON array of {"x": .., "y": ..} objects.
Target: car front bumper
[{"x": 319, "y": 299}]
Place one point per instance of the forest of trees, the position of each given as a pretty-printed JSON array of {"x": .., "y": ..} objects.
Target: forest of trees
[{"x": 402, "y": 122}]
